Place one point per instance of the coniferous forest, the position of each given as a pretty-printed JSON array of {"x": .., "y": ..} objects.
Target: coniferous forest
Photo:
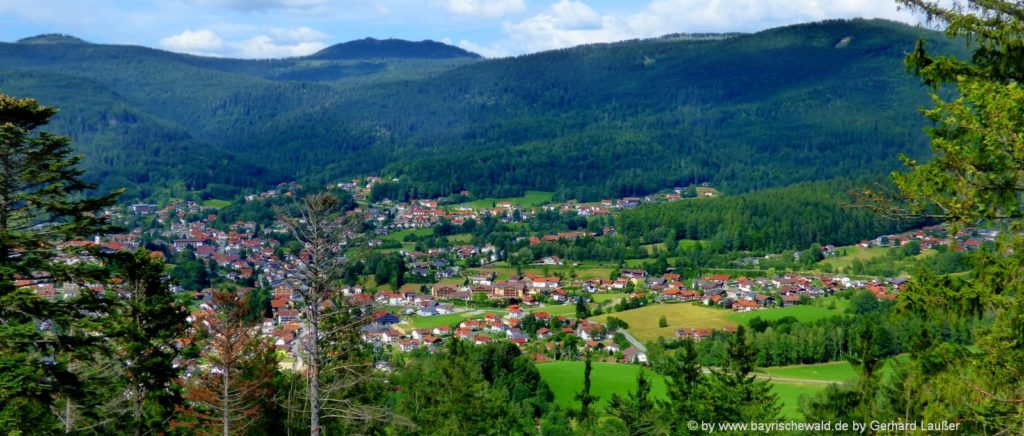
[{"x": 832, "y": 132}]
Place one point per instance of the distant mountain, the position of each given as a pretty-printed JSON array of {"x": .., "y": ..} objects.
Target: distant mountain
[
  {"x": 743, "y": 112},
  {"x": 370, "y": 48},
  {"x": 51, "y": 38}
]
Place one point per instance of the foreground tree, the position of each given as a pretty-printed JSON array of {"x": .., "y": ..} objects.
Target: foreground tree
[
  {"x": 42, "y": 207},
  {"x": 144, "y": 326},
  {"x": 335, "y": 359},
  {"x": 230, "y": 390},
  {"x": 636, "y": 410},
  {"x": 976, "y": 174}
]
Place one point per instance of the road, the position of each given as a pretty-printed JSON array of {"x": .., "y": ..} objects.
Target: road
[{"x": 636, "y": 343}]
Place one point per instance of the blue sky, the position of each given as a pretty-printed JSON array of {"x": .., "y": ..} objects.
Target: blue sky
[{"x": 494, "y": 28}]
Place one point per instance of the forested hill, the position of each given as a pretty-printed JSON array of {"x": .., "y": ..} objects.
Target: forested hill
[
  {"x": 744, "y": 112},
  {"x": 370, "y": 48}
]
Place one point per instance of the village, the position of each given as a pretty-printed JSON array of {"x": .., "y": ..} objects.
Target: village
[{"x": 456, "y": 295}]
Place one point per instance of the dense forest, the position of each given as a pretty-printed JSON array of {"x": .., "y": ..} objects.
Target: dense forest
[
  {"x": 743, "y": 112},
  {"x": 770, "y": 220}
]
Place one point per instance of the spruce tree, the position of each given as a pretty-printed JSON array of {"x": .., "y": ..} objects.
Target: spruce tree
[{"x": 43, "y": 206}]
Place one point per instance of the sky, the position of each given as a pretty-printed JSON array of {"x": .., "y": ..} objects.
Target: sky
[{"x": 493, "y": 28}]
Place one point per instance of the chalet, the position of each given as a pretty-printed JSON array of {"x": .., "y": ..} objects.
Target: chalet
[
  {"x": 443, "y": 291},
  {"x": 790, "y": 300}
]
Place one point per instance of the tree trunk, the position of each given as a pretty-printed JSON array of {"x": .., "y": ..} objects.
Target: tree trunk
[
  {"x": 137, "y": 412},
  {"x": 225, "y": 405},
  {"x": 314, "y": 379},
  {"x": 67, "y": 415}
]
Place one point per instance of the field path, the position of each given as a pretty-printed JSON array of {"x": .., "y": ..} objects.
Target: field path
[{"x": 763, "y": 376}]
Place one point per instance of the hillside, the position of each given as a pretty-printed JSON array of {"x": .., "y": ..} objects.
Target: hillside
[{"x": 744, "y": 112}]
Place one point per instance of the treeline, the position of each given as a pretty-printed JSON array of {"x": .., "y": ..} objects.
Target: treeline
[
  {"x": 787, "y": 341},
  {"x": 771, "y": 220}
]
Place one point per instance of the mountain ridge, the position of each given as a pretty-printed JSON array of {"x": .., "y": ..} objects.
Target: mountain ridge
[{"x": 743, "y": 112}]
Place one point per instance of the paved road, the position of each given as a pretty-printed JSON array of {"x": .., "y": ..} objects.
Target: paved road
[{"x": 636, "y": 343}]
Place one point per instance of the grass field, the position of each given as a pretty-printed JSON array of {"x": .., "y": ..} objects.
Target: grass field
[
  {"x": 803, "y": 313},
  {"x": 832, "y": 371},
  {"x": 585, "y": 270},
  {"x": 530, "y": 199},
  {"x": 643, "y": 322},
  {"x": 429, "y": 322},
  {"x": 864, "y": 254},
  {"x": 399, "y": 235},
  {"x": 566, "y": 379},
  {"x": 215, "y": 203},
  {"x": 555, "y": 310},
  {"x": 601, "y": 297},
  {"x": 789, "y": 395}
]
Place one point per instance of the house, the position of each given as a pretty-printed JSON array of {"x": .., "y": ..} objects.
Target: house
[
  {"x": 588, "y": 330},
  {"x": 442, "y": 331},
  {"x": 634, "y": 274},
  {"x": 551, "y": 260},
  {"x": 385, "y": 319},
  {"x": 543, "y": 333},
  {"x": 634, "y": 355},
  {"x": 514, "y": 312},
  {"x": 443, "y": 291},
  {"x": 287, "y": 315},
  {"x": 790, "y": 300},
  {"x": 428, "y": 309},
  {"x": 745, "y": 305},
  {"x": 410, "y": 345}
]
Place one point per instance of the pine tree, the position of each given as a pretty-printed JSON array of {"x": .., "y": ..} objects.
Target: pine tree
[
  {"x": 144, "y": 326},
  {"x": 584, "y": 415},
  {"x": 636, "y": 410},
  {"x": 43, "y": 206},
  {"x": 976, "y": 174},
  {"x": 229, "y": 390}
]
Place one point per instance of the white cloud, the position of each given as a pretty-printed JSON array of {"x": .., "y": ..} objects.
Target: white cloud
[
  {"x": 262, "y": 5},
  {"x": 498, "y": 50},
  {"x": 275, "y": 43},
  {"x": 485, "y": 8},
  {"x": 202, "y": 41},
  {"x": 298, "y": 34},
  {"x": 264, "y": 46}
]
